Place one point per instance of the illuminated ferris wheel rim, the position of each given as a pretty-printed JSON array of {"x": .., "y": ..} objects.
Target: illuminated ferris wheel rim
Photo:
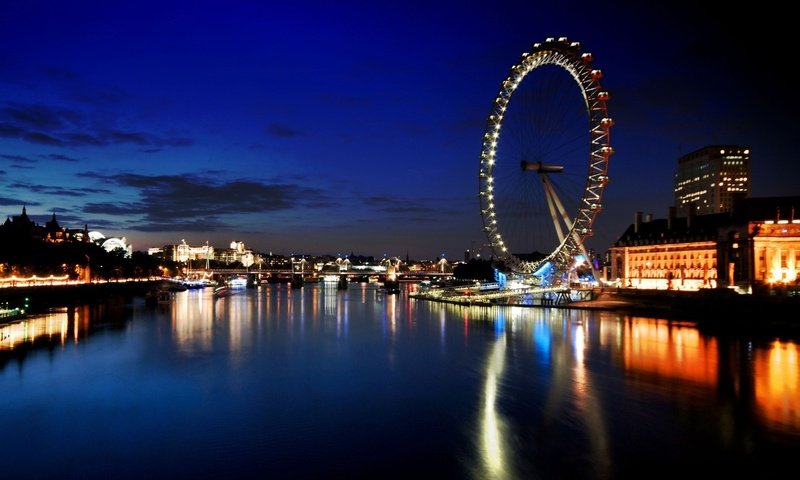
[{"x": 567, "y": 55}]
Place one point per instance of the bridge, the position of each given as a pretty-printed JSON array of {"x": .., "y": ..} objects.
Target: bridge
[{"x": 266, "y": 273}]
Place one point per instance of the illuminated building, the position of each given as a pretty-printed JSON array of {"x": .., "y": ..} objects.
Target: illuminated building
[
  {"x": 711, "y": 179},
  {"x": 238, "y": 253},
  {"x": 755, "y": 245},
  {"x": 183, "y": 252},
  {"x": 112, "y": 243}
]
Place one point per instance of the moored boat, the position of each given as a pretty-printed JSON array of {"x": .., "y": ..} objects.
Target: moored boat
[{"x": 237, "y": 282}]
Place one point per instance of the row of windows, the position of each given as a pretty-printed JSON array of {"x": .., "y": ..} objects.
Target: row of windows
[
  {"x": 674, "y": 256},
  {"x": 673, "y": 266},
  {"x": 677, "y": 274},
  {"x": 783, "y": 259}
]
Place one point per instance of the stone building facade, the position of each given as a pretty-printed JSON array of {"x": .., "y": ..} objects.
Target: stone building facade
[{"x": 757, "y": 245}]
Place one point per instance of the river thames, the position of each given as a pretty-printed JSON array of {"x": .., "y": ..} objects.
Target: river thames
[{"x": 317, "y": 382}]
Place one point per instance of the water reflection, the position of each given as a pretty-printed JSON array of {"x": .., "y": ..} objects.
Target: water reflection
[
  {"x": 669, "y": 350},
  {"x": 534, "y": 392},
  {"x": 493, "y": 430},
  {"x": 589, "y": 404},
  {"x": 57, "y": 328},
  {"x": 777, "y": 385},
  {"x": 199, "y": 320},
  {"x": 193, "y": 322}
]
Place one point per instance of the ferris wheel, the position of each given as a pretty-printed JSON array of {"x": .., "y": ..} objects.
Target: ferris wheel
[{"x": 544, "y": 158}]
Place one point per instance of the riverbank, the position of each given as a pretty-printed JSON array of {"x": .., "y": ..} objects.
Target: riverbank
[
  {"x": 716, "y": 311},
  {"x": 719, "y": 310},
  {"x": 38, "y": 299}
]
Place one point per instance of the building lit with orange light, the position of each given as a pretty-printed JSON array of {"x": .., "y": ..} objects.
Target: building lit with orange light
[{"x": 756, "y": 245}]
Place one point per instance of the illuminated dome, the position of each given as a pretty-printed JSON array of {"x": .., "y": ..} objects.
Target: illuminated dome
[
  {"x": 111, "y": 244},
  {"x": 96, "y": 236}
]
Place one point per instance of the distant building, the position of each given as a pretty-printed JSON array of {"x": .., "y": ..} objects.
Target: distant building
[
  {"x": 711, "y": 179},
  {"x": 755, "y": 245},
  {"x": 110, "y": 244},
  {"x": 238, "y": 253},
  {"x": 23, "y": 227},
  {"x": 183, "y": 252}
]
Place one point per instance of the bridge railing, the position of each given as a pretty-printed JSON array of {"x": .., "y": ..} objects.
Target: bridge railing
[{"x": 288, "y": 271}]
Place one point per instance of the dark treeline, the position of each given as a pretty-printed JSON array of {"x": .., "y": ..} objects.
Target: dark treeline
[
  {"x": 27, "y": 248},
  {"x": 79, "y": 259}
]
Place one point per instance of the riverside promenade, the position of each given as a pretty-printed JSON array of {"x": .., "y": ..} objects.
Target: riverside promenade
[{"x": 41, "y": 297}]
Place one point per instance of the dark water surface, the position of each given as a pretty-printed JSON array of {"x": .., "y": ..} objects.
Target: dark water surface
[{"x": 324, "y": 383}]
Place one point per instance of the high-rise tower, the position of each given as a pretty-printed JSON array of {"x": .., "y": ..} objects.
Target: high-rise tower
[{"x": 711, "y": 179}]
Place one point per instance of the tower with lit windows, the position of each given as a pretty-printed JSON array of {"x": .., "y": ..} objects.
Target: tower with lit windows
[{"x": 711, "y": 179}]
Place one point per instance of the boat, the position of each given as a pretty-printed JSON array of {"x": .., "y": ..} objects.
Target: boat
[
  {"x": 198, "y": 283},
  {"x": 174, "y": 286},
  {"x": 237, "y": 282},
  {"x": 11, "y": 314},
  {"x": 222, "y": 291}
]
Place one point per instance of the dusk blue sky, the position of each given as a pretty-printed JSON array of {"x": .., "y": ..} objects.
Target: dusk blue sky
[{"x": 355, "y": 127}]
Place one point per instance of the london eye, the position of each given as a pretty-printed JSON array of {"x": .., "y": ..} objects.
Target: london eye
[{"x": 544, "y": 159}]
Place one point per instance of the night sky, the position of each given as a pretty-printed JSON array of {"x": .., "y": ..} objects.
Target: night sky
[{"x": 355, "y": 127}]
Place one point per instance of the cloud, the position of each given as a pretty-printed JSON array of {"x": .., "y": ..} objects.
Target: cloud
[
  {"x": 18, "y": 158},
  {"x": 277, "y": 130},
  {"x": 115, "y": 208},
  {"x": 193, "y": 202},
  {"x": 10, "y": 131},
  {"x": 58, "y": 191},
  {"x": 39, "y": 117},
  {"x": 417, "y": 210},
  {"x": 16, "y": 201},
  {"x": 196, "y": 225},
  {"x": 82, "y": 139},
  {"x": 42, "y": 139},
  {"x": 44, "y": 125},
  {"x": 128, "y": 137},
  {"x": 64, "y": 158}
]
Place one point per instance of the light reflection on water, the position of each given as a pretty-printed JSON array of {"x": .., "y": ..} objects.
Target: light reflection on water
[{"x": 313, "y": 381}]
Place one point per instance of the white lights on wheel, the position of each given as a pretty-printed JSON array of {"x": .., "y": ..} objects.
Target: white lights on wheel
[{"x": 576, "y": 223}]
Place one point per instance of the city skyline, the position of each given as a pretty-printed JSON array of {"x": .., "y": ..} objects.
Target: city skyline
[{"x": 355, "y": 127}]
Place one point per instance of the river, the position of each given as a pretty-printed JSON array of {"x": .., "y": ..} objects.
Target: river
[{"x": 317, "y": 382}]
